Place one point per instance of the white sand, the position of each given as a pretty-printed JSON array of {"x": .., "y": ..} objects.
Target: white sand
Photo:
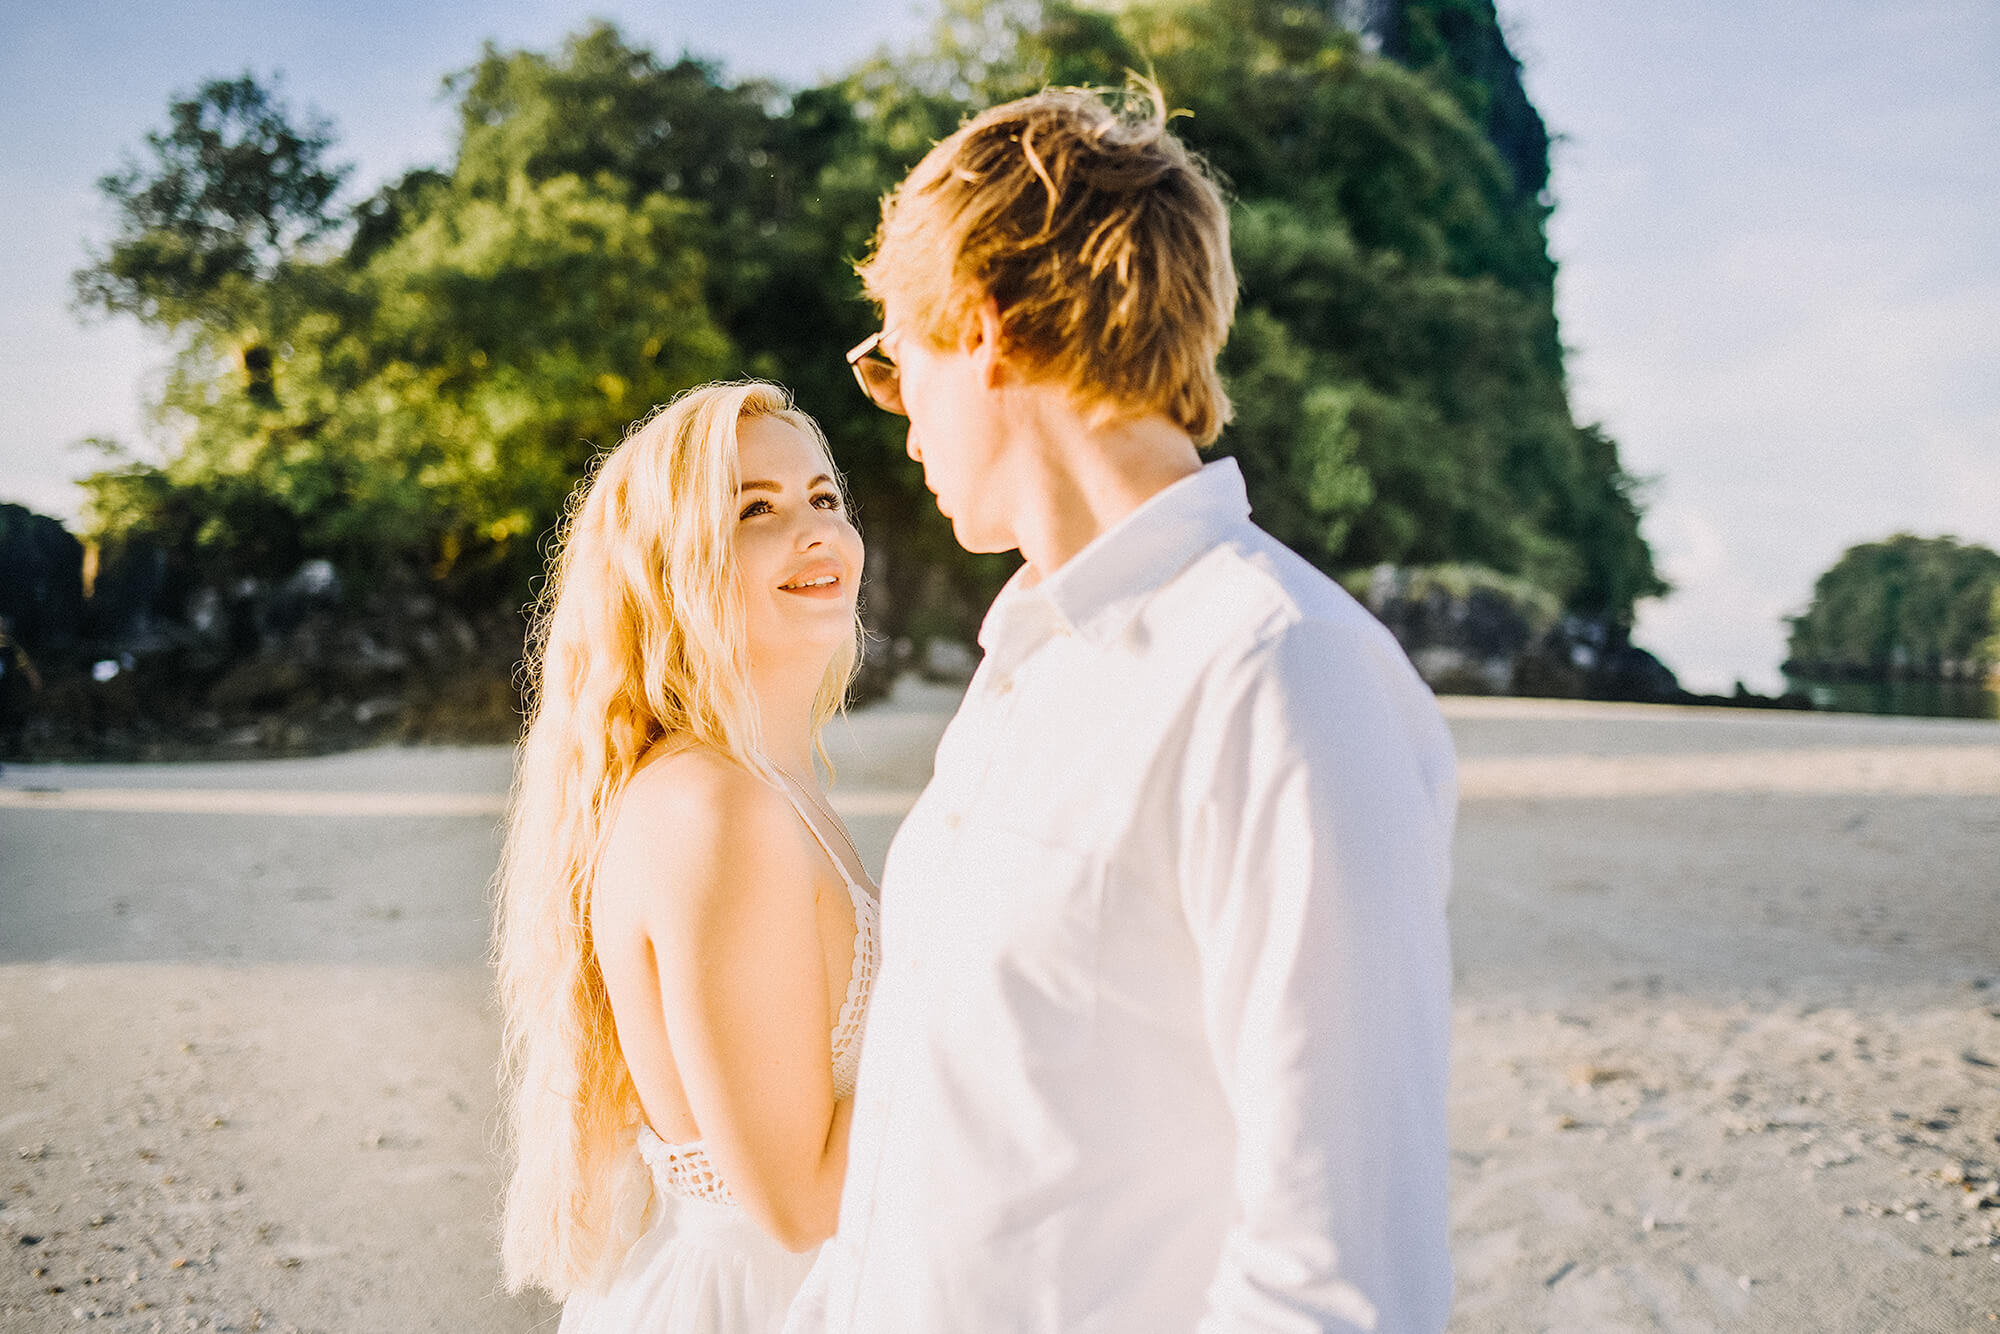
[{"x": 1728, "y": 1028}]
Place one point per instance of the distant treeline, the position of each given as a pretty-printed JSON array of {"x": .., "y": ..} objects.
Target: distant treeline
[
  {"x": 415, "y": 383},
  {"x": 1911, "y": 608}
]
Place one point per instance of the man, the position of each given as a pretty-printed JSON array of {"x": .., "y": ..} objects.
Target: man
[{"x": 1160, "y": 1038}]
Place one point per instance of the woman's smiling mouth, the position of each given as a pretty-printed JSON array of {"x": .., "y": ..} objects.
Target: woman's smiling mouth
[{"x": 814, "y": 581}]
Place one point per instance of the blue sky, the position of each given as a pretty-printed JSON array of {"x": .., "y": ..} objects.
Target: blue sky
[
  {"x": 1780, "y": 266},
  {"x": 1780, "y": 285}
]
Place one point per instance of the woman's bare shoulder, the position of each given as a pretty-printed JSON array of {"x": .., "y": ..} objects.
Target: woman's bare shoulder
[
  {"x": 696, "y": 780},
  {"x": 698, "y": 824}
]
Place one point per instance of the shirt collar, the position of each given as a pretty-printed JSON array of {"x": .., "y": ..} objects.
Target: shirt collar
[{"x": 1096, "y": 592}]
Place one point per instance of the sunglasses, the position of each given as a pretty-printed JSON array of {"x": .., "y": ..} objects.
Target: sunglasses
[{"x": 880, "y": 378}]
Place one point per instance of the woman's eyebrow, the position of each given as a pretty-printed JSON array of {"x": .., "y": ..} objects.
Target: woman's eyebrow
[{"x": 759, "y": 485}]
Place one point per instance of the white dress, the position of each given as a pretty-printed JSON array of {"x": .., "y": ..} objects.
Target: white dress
[{"x": 703, "y": 1267}]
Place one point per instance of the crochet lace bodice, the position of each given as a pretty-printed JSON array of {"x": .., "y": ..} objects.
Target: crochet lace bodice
[{"x": 684, "y": 1169}]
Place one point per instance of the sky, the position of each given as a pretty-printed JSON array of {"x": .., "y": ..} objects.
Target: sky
[{"x": 1778, "y": 227}]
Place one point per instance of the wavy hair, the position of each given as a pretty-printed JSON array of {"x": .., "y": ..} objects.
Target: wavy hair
[
  {"x": 638, "y": 637},
  {"x": 1103, "y": 239}
]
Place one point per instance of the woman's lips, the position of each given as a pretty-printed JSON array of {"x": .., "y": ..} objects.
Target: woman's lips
[{"x": 816, "y": 582}]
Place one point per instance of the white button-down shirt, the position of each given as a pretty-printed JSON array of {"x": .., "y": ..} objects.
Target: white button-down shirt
[{"x": 1160, "y": 1037}]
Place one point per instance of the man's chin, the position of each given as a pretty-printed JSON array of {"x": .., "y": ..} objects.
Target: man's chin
[{"x": 980, "y": 542}]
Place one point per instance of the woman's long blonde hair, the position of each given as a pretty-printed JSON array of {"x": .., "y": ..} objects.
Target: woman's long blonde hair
[{"x": 638, "y": 637}]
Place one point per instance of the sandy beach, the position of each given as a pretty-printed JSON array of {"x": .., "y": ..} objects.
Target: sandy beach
[{"x": 1727, "y": 1047}]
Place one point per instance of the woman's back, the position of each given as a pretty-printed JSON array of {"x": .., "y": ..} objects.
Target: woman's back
[
  {"x": 673, "y": 944},
  {"x": 721, "y": 895},
  {"x": 705, "y": 1264}
]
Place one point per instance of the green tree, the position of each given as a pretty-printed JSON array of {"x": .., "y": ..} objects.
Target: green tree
[
  {"x": 418, "y": 383},
  {"x": 1459, "y": 46},
  {"x": 1922, "y": 607},
  {"x": 444, "y": 380},
  {"x": 231, "y": 191},
  {"x": 440, "y": 399}
]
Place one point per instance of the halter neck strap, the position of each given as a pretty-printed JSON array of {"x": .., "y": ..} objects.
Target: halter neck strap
[{"x": 853, "y": 887}]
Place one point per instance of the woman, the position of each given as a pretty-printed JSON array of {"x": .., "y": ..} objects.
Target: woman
[{"x": 685, "y": 947}]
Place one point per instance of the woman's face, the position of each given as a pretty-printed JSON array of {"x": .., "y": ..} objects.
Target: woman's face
[{"x": 798, "y": 557}]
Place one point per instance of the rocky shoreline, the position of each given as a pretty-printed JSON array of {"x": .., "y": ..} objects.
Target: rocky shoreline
[
  {"x": 140, "y": 659},
  {"x": 302, "y": 666}
]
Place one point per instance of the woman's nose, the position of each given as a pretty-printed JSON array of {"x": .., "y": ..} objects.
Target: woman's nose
[{"x": 815, "y": 530}]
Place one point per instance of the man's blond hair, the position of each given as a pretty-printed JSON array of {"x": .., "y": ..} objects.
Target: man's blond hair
[{"x": 1102, "y": 239}]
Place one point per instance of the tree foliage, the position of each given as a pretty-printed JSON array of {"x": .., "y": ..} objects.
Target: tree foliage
[
  {"x": 1922, "y": 607},
  {"x": 420, "y": 379},
  {"x": 1459, "y": 46},
  {"x": 232, "y": 188}
]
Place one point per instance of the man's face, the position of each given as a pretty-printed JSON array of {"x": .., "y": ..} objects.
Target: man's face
[{"x": 957, "y": 432}]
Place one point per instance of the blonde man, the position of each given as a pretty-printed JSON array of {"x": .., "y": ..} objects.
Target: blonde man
[{"x": 1160, "y": 1043}]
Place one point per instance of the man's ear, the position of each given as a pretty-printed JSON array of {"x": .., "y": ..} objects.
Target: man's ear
[{"x": 984, "y": 343}]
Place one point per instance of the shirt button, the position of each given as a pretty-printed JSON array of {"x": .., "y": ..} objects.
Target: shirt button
[
  {"x": 951, "y": 821},
  {"x": 1003, "y": 685}
]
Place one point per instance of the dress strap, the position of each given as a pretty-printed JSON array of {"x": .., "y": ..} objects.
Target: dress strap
[{"x": 853, "y": 888}]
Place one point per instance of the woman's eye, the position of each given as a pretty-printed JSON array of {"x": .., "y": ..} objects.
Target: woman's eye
[
  {"x": 755, "y": 507},
  {"x": 827, "y": 500}
]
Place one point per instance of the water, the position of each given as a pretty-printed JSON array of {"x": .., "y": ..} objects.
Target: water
[{"x": 1921, "y": 699}]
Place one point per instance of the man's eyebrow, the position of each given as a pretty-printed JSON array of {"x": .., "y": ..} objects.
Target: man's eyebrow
[{"x": 760, "y": 485}]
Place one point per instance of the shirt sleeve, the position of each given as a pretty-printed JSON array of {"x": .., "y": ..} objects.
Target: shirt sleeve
[{"x": 1315, "y": 866}]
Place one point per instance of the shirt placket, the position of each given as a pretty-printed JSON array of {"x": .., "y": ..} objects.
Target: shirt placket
[
  {"x": 999, "y": 706},
  {"x": 991, "y": 714}
]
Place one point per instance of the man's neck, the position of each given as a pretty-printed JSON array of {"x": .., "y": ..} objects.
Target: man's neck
[{"x": 1080, "y": 478}]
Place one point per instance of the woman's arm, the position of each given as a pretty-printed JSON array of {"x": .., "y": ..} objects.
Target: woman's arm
[{"x": 723, "y": 878}]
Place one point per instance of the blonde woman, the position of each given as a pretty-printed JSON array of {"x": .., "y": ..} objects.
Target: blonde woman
[{"x": 686, "y": 936}]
